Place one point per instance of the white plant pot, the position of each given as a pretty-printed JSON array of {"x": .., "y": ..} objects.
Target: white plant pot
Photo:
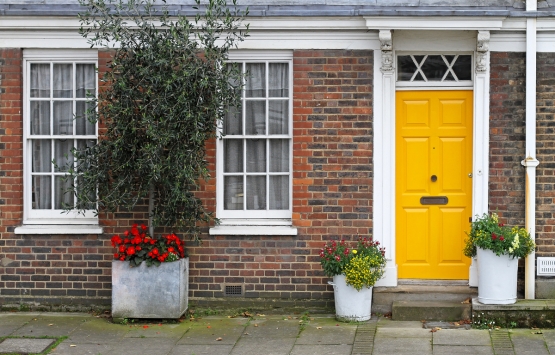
[
  {"x": 150, "y": 292},
  {"x": 497, "y": 278},
  {"x": 350, "y": 304}
]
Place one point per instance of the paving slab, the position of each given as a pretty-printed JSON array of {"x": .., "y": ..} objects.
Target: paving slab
[
  {"x": 98, "y": 330},
  {"x": 526, "y": 342},
  {"x": 461, "y": 337},
  {"x": 52, "y": 324},
  {"x": 266, "y": 346},
  {"x": 462, "y": 350},
  {"x": 321, "y": 331},
  {"x": 9, "y": 322},
  {"x": 388, "y": 323},
  {"x": 208, "y": 331},
  {"x": 549, "y": 337},
  {"x": 201, "y": 350},
  {"x": 322, "y": 350},
  {"x": 402, "y": 346},
  {"x": 403, "y": 333},
  {"x": 273, "y": 328},
  {"x": 70, "y": 348},
  {"x": 24, "y": 346},
  {"x": 157, "y": 330},
  {"x": 139, "y": 346}
]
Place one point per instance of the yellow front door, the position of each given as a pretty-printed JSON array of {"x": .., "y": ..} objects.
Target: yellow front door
[{"x": 433, "y": 183}]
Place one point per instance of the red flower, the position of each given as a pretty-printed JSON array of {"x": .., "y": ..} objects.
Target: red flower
[
  {"x": 155, "y": 251},
  {"x": 121, "y": 249},
  {"x": 493, "y": 236},
  {"x": 501, "y": 238},
  {"x": 143, "y": 227},
  {"x": 134, "y": 230},
  {"x": 130, "y": 251},
  {"x": 116, "y": 255},
  {"x": 337, "y": 257},
  {"x": 126, "y": 233},
  {"x": 171, "y": 249}
]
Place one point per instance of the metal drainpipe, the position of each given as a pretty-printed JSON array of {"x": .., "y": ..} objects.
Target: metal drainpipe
[{"x": 530, "y": 163}]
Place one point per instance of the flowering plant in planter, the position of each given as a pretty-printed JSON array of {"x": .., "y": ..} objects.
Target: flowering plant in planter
[
  {"x": 137, "y": 246},
  {"x": 362, "y": 264},
  {"x": 487, "y": 233}
]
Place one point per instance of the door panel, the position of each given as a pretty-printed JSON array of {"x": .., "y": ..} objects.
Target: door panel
[{"x": 434, "y": 158}]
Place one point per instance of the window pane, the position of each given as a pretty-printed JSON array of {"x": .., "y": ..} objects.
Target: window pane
[
  {"x": 233, "y": 193},
  {"x": 256, "y": 155},
  {"x": 463, "y": 67},
  {"x": 62, "y": 154},
  {"x": 278, "y": 117},
  {"x": 41, "y": 198},
  {"x": 63, "y": 117},
  {"x": 85, "y": 79},
  {"x": 62, "y": 196},
  {"x": 82, "y": 124},
  {"x": 255, "y": 120},
  {"x": 434, "y": 68},
  {"x": 279, "y": 192},
  {"x": 40, "y": 117},
  {"x": 233, "y": 122},
  {"x": 63, "y": 80},
  {"x": 256, "y": 192},
  {"x": 256, "y": 80},
  {"x": 279, "y": 80},
  {"x": 233, "y": 155},
  {"x": 279, "y": 155},
  {"x": 405, "y": 68},
  {"x": 42, "y": 156},
  {"x": 40, "y": 80}
]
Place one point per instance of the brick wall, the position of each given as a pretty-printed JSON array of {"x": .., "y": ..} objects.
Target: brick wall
[
  {"x": 507, "y": 136},
  {"x": 331, "y": 199},
  {"x": 332, "y": 193},
  {"x": 545, "y": 177}
]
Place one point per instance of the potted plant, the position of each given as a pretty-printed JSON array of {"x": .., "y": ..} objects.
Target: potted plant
[
  {"x": 166, "y": 89},
  {"x": 139, "y": 290},
  {"x": 498, "y": 248},
  {"x": 355, "y": 269}
]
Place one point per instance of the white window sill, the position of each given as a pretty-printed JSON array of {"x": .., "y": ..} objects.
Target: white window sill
[
  {"x": 58, "y": 229},
  {"x": 253, "y": 230}
]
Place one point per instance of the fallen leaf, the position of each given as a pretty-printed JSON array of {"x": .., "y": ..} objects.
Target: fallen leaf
[
  {"x": 145, "y": 326},
  {"x": 247, "y": 314},
  {"x": 219, "y": 339},
  {"x": 467, "y": 300},
  {"x": 537, "y": 332},
  {"x": 435, "y": 329},
  {"x": 51, "y": 324},
  {"x": 256, "y": 325},
  {"x": 318, "y": 327},
  {"x": 337, "y": 325},
  {"x": 209, "y": 327},
  {"x": 535, "y": 328},
  {"x": 159, "y": 324},
  {"x": 247, "y": 334},
  {"x": 260, "y": 315},
  {"x": 73, "y": 346}
]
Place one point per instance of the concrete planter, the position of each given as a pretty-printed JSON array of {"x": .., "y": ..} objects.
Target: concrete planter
[
  {"x": 150, "y": 292},
  {"x": 497, "y": 278},
  {"x": 350, "y": 304}
]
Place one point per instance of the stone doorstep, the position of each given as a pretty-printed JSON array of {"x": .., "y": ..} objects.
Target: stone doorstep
[
  {"x": 24, "y": 345},
  {"x": 430, "y": 311}
]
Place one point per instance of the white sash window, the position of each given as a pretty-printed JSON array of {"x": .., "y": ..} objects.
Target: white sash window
[
  {"x": 58, "y": 87},
  {"x": 255, "y": 154}
]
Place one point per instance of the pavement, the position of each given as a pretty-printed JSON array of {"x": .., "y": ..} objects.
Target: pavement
[{"x": 245, "y": 334}]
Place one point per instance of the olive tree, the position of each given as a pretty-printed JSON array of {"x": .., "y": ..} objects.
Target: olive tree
[{"x": 166, "y": 89}]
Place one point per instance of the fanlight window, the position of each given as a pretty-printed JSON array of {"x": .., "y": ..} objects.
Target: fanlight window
[{"x": 434, "y": 68}]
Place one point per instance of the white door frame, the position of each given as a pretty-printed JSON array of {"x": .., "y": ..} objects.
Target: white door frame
[{"x": 384, "y": 133}]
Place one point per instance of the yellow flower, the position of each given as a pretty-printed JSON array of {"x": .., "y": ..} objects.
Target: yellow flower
[{"x": 354, "y": 251}]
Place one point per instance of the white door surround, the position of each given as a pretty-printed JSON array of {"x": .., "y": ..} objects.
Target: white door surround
[{"x": 476, "y": 42}]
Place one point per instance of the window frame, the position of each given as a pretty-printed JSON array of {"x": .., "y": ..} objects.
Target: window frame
[
  {"x": 257, "y": 217},
  {"x": 53, "y": 216}
]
